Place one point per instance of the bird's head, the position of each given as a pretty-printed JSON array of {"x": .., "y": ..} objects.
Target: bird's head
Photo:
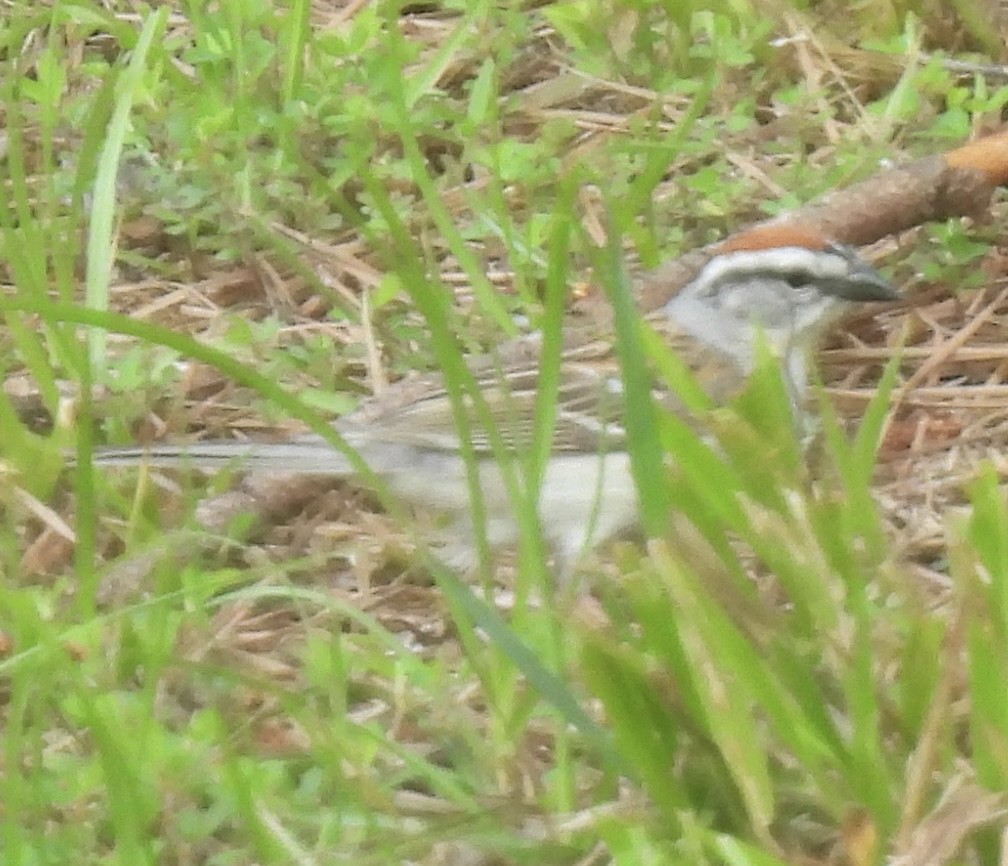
[{"x": 790, "y": 283}]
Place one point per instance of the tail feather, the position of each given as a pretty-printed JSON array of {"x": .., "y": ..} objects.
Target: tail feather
[{"x": 309, "y": 455}]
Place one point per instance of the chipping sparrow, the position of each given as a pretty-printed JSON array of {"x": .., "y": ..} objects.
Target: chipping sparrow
[{"x": 784, "y": 283}]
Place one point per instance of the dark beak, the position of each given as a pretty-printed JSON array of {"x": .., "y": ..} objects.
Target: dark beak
[{"x": 862, "y": 284}]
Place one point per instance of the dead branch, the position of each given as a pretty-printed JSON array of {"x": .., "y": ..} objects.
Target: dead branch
[{"x": 957, "y": 183}]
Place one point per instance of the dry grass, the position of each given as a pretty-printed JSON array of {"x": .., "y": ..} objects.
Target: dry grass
[{"x": 948, "y": 411}]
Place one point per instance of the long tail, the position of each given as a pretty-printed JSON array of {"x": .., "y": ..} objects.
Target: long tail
[{"x": 308, "y": 455}]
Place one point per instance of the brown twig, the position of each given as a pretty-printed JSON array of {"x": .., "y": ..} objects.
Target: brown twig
[{"x": 957, "y": 183}]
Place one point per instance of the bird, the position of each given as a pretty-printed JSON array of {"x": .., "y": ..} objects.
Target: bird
[{"x": 781, "y": 286}]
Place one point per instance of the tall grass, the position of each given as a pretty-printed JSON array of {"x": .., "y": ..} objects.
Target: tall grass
[{"x": 760, "y": 680}]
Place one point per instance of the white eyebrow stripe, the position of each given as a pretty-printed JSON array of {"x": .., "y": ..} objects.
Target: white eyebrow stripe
[{"x": 819, "y": 264}]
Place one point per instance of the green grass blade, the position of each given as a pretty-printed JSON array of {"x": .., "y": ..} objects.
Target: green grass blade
[
  {"x": 640, "y": 415},
  {"x": 100, "y": 246}
]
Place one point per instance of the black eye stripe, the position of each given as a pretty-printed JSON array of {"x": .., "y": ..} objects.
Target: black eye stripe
[{"x": 795, "y": 279}]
